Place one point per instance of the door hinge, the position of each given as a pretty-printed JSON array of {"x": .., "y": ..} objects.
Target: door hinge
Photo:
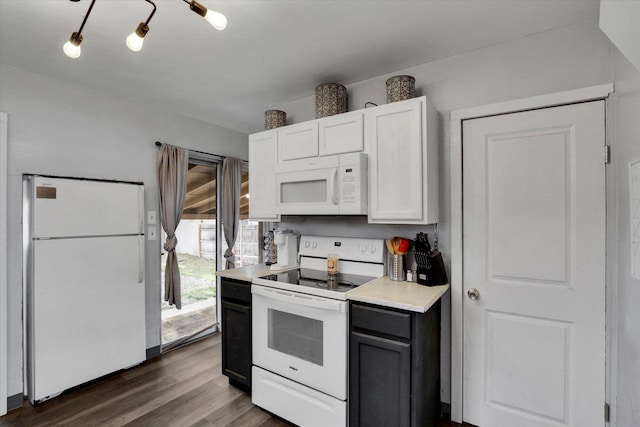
[
  {"x": 607, "y": 413},
  {"x": 607, "y": 154}
]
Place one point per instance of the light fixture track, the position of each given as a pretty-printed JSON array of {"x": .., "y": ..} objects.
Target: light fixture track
[
  {"x": 84, "y": 21},
  {"x": 152, "y": 12}
]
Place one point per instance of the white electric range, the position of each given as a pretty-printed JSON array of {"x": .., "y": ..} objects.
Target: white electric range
[{"x": 300, "y": 330}]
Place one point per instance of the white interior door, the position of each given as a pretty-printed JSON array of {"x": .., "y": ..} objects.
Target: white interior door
[{"x": 534, "y": 249}]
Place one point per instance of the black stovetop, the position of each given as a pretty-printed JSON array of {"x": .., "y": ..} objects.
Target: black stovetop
[{"x": 319, "y": 279}]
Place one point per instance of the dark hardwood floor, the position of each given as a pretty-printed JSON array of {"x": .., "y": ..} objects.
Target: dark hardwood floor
[{"x": 183, "y": 387}]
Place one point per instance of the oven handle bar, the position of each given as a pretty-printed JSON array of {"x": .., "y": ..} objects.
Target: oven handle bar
[{"x": 298, "y": 299}]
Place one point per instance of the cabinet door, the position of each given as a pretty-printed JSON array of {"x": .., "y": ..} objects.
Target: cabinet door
[
  {"x": 395, "y": 162},
  {"x": 236, "y": 343},
  {"x": 343, "y": 133},
  {"x": 262, "y": 180},
  {"x": 298, "y": 141},
  {"x": 379, "y": 381}
]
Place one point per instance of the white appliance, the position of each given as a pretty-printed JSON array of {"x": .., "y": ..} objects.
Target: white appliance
[
  {"x": 84, "y": 281},
  {"x": 300, "y": 330},
  {"x": 322, "y": 185},
  {"x": 287, "y": 249}
]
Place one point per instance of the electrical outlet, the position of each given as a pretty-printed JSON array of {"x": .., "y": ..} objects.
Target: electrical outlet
[
  {"x": 151, "y": 233},
  {"x": 151, "y": 217}
]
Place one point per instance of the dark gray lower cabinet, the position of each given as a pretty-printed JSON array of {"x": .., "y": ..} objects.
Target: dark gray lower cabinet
[
  {"x": 394, "y": 366},
  {"x": 236, "y": 332}
]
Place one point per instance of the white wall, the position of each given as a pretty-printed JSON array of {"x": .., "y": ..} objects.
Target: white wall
[
  {"x": 619, "y": 21},
  {"x": 568, "y": 58},
  {"x": 60, "y": 129},
  {"x": 625, "y": 147}
]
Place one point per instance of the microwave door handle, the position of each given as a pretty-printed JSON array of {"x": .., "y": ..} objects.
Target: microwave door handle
[
  {"x": 332, "y": 186},
  {"x": 297, "y": 299}
]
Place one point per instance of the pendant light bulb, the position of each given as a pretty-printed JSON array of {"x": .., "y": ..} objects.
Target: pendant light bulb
[
  {"x": 136, "y": 39},
  {"x": 134, "y": 42},
  {"x": 72, "y": 47},
  {"x": 218, "y": 20}
]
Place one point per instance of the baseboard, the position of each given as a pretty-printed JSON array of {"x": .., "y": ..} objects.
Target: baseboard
[
  {"x": 445, "y": 409},
  {"x": 153, "y": 352},
  {"x": 14, "y": 402}
]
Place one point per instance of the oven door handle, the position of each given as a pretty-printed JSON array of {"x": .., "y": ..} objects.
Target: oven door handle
[{"x": 299, "y": 299}]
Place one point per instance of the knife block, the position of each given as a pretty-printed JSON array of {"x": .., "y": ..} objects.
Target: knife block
[{"x": 430, "y": 270}]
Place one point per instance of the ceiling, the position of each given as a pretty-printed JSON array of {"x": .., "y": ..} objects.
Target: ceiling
[
  {"x": 271, "y": 51},
  {"x": 200, "y": 195}
]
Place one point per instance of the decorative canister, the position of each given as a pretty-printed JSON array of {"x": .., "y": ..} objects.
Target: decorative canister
[
  {"x": 270, "y": 254},
  {"x": 331, "y": 98},
  {"x": 274, "y": 119},
  {"x": 400, "y": 88}
]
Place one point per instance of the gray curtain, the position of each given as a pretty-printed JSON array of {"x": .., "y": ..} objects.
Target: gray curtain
[
  {"x": 172, "y": 166},
  {"x": 231, "y": 182}
]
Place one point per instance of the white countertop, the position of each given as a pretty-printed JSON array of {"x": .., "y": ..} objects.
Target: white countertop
[
  {"x": 383, "y": 291},
  {"x": 403, "y": 295},
  {"x": 248, "y": 272}
]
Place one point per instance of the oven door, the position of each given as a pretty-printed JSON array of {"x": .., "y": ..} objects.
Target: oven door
[{"x": 301, "y": 337}]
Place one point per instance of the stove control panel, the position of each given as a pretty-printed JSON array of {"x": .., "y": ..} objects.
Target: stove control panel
[{"x": 347, "y": 248}]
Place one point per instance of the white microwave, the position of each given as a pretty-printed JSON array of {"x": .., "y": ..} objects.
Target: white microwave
[{"x": 329, "y": 185}]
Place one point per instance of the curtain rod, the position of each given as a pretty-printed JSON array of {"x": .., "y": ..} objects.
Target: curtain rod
[{"x": 215, "y": 156}]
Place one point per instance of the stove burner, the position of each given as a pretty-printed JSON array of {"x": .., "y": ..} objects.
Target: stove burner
[
  {"x": 319, "y": 279},
  {"x": 332, "y": 283}
]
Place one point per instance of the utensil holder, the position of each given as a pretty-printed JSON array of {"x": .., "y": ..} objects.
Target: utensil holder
[{"x": 396, "y": 268}]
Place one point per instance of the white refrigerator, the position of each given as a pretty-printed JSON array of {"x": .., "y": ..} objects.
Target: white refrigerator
[{"x": 84, "y": 281}]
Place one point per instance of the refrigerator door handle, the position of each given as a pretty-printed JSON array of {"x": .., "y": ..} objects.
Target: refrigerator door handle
[
  {"x": 141, "y": 258},
  {"x": 140, "y": 209}
]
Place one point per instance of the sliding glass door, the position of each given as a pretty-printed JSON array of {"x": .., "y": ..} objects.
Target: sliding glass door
[{"x": 199, "y": 250}]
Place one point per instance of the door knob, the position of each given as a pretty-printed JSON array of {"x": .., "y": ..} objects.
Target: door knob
[{"x": 473, "y": 294}]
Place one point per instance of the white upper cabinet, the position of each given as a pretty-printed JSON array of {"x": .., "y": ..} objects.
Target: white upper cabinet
[
  {"x": 339, "y": 134},
  {"x": 402, "y": 140},
  {"x": 342, "y": 133},
  {"x": 298, "y": 141},
  {"x": 262, "y": 183}
]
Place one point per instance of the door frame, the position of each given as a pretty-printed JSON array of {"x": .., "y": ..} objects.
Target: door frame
[
  {"x": 457, "y": 260},
  {"x": 4, "y": 226}
]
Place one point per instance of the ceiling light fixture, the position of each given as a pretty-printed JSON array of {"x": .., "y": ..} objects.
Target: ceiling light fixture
[
  {"x": 72, "y": 47},
  {"x": 136, "y": 39},
  {"x": 218, "y": 20}
]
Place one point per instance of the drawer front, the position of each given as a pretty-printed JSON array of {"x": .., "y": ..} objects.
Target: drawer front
[
  {"x": 377, "y": 319},
  {"x": 236, "y": 290}
]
